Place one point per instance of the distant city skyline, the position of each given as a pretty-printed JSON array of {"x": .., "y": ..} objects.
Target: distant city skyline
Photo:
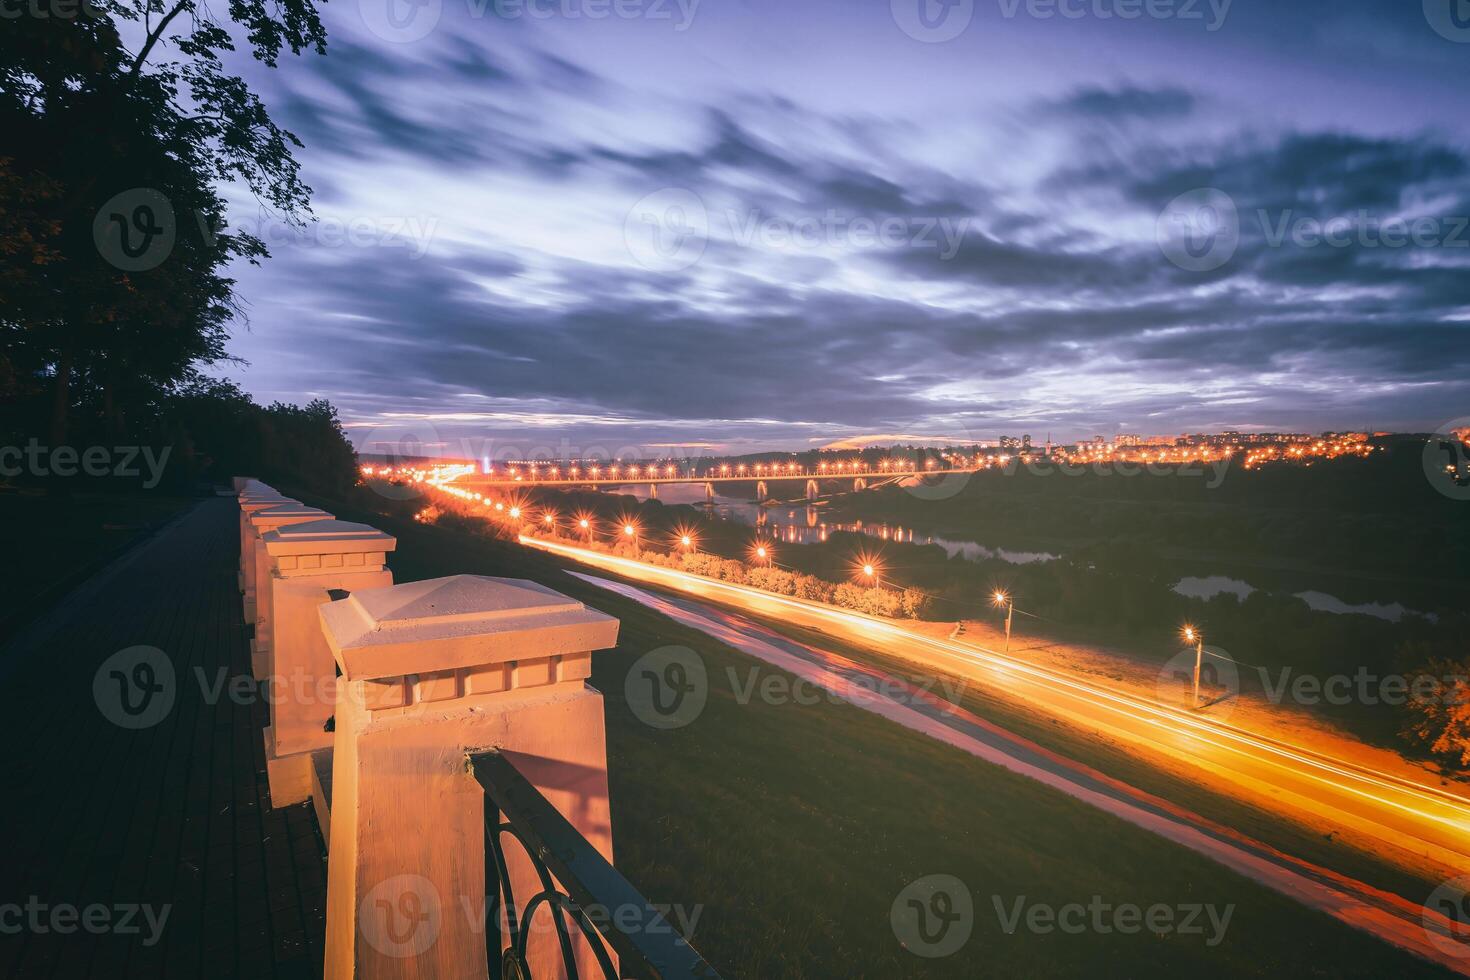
[{"x": 778, "y": 225}]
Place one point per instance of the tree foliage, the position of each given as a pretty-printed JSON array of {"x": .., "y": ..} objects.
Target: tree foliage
[{"x": 112, "y": 224}]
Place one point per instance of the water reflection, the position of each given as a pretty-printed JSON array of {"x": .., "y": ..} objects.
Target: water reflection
[
  {"x": 1208, "y": 586},
  {"x": 805, "y": 524}
]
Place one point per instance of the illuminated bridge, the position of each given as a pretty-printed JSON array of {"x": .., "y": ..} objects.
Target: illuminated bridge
[{"x": 600, "y": 477}]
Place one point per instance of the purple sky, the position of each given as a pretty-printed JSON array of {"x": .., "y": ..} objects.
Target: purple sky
[{"x": 629, "y": 224}]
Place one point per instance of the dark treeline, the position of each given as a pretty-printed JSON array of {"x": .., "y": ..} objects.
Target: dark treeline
[{"x": 115, "y": 255}]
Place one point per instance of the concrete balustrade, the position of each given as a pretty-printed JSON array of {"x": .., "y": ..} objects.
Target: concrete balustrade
[
  {"x": 432, "y": 671},
  {"x": 256, "y": 497},
  {"x": 258, "y": 567},
  {"x": 306, "y": 561},
  {"x": 250, "y": 544}
]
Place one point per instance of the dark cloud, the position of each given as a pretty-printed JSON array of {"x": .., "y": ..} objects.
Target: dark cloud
[{"x": 1056, "y": 293}]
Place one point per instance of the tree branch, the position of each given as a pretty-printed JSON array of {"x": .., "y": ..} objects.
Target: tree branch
[{"x": 154, "y": 36}]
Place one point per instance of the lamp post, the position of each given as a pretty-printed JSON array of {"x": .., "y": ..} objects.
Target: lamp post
[
  {"x": 1192, "y": 635},
  {"x": 871, "y": 572},
  {"x": 586, "y": 527},
  {"x": 1001, "y": 599}
]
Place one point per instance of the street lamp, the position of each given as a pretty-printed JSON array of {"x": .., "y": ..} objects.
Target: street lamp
[
  {"x": 1192, "y": 635},
  {"x": 1001, "y": 599}
]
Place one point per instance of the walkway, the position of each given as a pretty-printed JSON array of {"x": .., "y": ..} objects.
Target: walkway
[{"x": 150, "y": 851}]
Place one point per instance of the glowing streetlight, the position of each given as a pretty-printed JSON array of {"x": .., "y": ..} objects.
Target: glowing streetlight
[
  {"x": 762, "y": 553},
  {"x": 515, "y": 512},
  {"x": 1001, "y": 599},
  {"x": 1192, "y": 635}
]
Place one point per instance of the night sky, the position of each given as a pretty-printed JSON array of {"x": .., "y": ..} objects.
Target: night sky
[{"x": 789, "y": 224}]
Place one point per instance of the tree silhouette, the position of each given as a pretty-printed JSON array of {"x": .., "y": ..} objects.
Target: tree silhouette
[{"x": 112, "y": 228}]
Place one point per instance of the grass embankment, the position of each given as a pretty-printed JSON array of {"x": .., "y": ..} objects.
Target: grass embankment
[
  {"x": 55, "y": 542},
  {"x": 793, "y": 828}
]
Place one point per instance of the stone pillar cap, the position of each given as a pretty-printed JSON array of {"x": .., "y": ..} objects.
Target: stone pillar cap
[
  {"x": 287, "y": 510},
  {"x": 457, "y": 622},
  {"x": 326, "y": 537}
]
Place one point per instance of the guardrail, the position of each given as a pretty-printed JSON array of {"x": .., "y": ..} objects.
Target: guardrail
[{"x": 577, "y": 884}]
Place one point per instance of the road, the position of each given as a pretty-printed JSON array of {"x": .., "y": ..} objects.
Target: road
[{"x": 1422, "y": 818}]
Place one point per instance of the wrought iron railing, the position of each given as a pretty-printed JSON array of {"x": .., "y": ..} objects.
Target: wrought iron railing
[{"x": 576, "y": 884}]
